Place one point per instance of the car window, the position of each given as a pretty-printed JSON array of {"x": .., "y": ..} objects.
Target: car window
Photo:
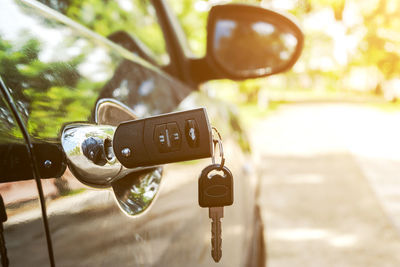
[{"x": 136, "y": 17}]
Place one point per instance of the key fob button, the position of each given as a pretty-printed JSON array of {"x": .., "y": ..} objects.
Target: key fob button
[
  {"x": 161, "y": 138},
  {"x": 174, "y": 136},
  {"x": 192, "y": 133}
]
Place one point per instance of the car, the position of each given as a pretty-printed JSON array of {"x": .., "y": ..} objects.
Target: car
[{"x": 64, "y": 90}]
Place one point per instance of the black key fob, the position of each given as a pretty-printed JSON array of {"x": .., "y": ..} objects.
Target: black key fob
[{"x": 165, "y": 138}]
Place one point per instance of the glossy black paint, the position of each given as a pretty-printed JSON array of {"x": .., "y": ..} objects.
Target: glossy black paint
[
  {"x": 32, "y": 163},
  {"x": 14, "y": 157},
  {"x": 13, "y": 163}
]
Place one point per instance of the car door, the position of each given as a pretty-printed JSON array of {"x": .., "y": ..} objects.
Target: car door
[{"x": 60, "y": 73}]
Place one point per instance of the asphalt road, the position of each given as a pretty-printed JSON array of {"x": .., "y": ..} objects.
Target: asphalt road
[{"x": 330, "y": 185}]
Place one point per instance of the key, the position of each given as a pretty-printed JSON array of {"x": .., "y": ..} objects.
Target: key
[
  {"x": 215, "y": 192},
  {"x": 216, "y": 213}
]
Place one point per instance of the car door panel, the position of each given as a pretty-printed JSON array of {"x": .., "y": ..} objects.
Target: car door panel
[{"x": 20, "y": 228}]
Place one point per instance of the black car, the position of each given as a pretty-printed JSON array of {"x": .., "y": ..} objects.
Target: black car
[{"x": 65, "y": 89}]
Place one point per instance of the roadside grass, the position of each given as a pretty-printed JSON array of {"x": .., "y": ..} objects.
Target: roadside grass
[{"x": 251, "y": 113}]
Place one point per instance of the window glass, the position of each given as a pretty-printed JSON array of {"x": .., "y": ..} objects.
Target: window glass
[{"x": 136, "y": 17}]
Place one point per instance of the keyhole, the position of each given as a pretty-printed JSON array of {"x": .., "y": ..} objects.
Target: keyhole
[{"x": 108, "y": 149}]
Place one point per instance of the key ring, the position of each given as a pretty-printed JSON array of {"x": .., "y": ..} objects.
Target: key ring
[{"x": 221, "y": 150}]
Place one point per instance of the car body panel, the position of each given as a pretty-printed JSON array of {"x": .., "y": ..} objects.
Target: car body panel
[
  {"x": 57, "y": 71},
  {"x": 15, "y": 165}
]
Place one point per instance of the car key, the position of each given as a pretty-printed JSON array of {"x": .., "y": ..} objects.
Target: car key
[
  {"x": 215, "y": 192},
  {"x": 165, "y": 138}
]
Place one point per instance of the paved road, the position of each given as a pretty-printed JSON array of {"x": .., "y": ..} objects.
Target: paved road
[{"x": 331, "y": 185}]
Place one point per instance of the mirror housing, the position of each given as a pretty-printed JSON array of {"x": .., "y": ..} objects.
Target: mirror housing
[{"x": 245, "y": 41}]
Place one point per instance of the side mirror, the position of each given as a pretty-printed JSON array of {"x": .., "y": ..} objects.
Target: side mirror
[{"x": 246, "y": 41}]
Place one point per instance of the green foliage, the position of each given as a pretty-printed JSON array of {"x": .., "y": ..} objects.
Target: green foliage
[
  {"x": 45, "y": 90},
  {"x": 381, "y": 42},
  {"x": 136, "y": 17},
  {"x": 378, "y": 24}
]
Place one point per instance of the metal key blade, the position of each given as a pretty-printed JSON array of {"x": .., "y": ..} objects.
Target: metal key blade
[{"x": 216, "y": 213}]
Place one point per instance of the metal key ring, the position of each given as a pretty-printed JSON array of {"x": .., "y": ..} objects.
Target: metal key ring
[{"x": 221, "y": 149}]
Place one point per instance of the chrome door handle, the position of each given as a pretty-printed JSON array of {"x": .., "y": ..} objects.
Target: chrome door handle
[
  {"x": 85, "y": 147},
  {"x": 88, "y": 147},
  {"x": 90, "y": 155}
]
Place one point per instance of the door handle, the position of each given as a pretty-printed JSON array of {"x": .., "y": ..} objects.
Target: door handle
[
  {"x": 88, "y": 147},
  {"x": 85, "y": 147},
  {"x": 91, "y": 159}
]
